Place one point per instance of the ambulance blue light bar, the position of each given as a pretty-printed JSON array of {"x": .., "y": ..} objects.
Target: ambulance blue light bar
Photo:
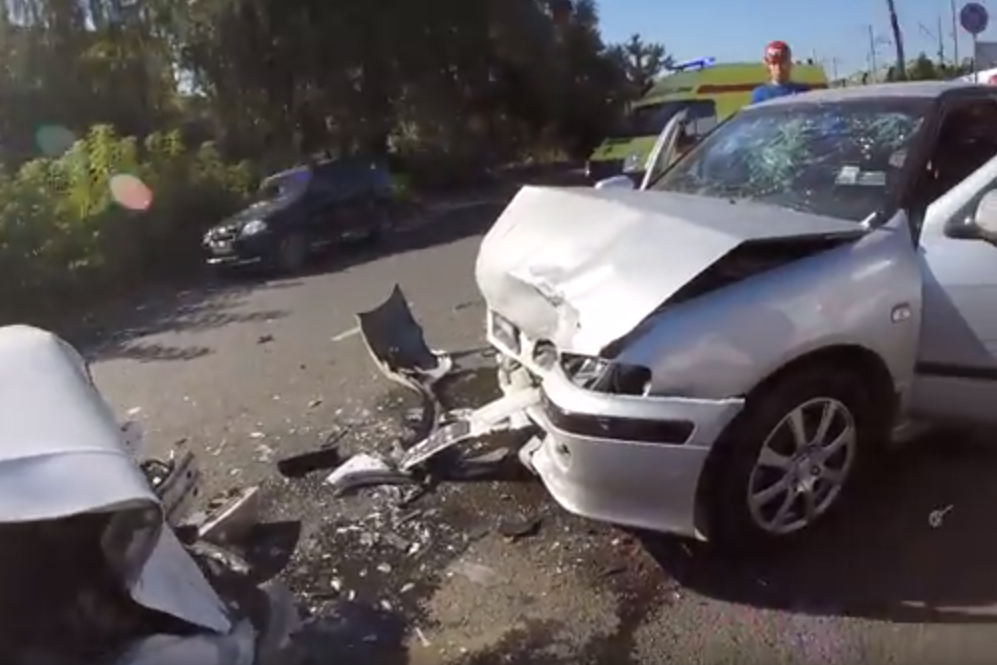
[{"x": 697, "y": 63}]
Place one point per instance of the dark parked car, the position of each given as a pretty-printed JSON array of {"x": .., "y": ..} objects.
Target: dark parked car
[{"x": 301, "y": 210}]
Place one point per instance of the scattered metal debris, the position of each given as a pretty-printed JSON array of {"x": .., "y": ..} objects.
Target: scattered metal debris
[
  {"x": 363, "y": 471},
  {"x": 176, "y": 483},
  {"x": 935, "y": 517},
  {"x": 476, "y": 572},
  {"x": 230, "y": 517}
]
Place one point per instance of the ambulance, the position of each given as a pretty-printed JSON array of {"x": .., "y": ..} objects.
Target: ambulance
[{"x": 709, "y": 92}]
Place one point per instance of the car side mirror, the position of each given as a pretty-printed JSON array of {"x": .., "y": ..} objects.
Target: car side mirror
[
  {"x": 980, "y": 225},
  {"x": 616, "y": 182},
  {"x": 985, "y": 219}
]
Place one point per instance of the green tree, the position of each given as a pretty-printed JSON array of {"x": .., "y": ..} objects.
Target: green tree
[
  {"x": 923, "y": 69},
  {"x": 642, "y": 62}
]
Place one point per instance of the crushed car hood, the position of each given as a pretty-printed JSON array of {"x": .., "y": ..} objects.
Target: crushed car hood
[{"x": 583, "y": 267}]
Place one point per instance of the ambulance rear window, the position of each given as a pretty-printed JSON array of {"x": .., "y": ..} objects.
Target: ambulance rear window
[{"x": 650, "y": 119}]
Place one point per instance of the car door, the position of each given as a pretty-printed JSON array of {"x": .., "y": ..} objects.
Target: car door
[
  {"x": 956, "y": 370},
  {"x": 336, "y": 191},
  {"x": 664, "y": 151}
]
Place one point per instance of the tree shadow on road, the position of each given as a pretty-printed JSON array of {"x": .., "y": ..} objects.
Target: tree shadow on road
[
  {"x": 880, "y": 557},
  {"x": 127, "y": 329},
  {"x": 427, "y": 230}
]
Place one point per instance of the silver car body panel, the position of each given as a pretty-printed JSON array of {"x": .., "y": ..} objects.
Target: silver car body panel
[
  {"x": 864, "y": 294},
  {"x": 64, "y": 454},
  {"x": 582, "y": 267},
  {"x": 957, "y": 357}
]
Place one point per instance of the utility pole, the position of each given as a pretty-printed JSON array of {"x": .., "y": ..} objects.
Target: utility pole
[
  {"x": 955, "y": 34},
  {"x": 898, "y": 40},
  {"x": 872, "y": 53},
  {"x": 941, "y": 42}
]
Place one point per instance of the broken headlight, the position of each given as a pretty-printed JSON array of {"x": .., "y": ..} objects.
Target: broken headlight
[
  {"x": 544, "y": 354},
  {"x": 606, "y": 376},
  {"x": 623, "y": 379},
  {"x": 583, "y": 370},
  {"x": 504, "y": 331}
]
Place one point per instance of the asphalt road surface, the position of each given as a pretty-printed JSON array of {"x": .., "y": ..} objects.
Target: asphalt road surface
[{"x": 250, "y": 371}]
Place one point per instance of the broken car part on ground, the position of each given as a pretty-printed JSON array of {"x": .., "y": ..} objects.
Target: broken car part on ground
[{"x": 86, "y": 549}]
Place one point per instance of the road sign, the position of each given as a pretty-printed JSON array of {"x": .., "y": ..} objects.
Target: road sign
[{"x": 974, "y": 18}]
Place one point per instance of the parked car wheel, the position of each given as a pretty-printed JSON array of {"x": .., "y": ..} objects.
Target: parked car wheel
[
  {"x": 789, "y": 458},
  {"x": 381, "y": 220},
  {"x": 292, "y": 254}
]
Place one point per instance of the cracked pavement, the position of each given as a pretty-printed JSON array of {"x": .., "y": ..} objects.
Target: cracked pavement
[{"x": 247, "y": 371}]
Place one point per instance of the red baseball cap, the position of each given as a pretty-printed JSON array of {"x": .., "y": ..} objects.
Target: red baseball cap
[{"x": 776, "y": 52}]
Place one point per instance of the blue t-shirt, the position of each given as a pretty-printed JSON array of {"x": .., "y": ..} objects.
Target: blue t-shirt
[{"x": 769, "y": 91}]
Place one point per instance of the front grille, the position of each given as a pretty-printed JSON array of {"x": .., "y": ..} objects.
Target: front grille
[{"x": 222, "y": 234}]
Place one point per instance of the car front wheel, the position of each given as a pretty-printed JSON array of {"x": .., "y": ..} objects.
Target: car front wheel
[
  {"x": 292, "y": 253},
  {"x": 789, "y": 459}
]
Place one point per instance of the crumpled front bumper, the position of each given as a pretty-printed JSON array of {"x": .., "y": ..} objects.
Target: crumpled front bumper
[
  {"x": 592, "y": 472},
  {"x": 626, "y": 459}
]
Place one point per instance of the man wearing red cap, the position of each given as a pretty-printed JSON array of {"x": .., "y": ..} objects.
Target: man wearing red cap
[{"x": 779, "y": 60}]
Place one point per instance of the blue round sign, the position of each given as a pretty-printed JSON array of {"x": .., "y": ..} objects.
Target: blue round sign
[{"x": 974, "y": 18}]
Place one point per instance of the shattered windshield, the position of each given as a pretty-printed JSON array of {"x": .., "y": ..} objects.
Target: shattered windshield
[{"x": 839, "y": 159}]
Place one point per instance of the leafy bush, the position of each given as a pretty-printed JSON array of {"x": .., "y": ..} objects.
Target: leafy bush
[{"x": 64, "y": 237}]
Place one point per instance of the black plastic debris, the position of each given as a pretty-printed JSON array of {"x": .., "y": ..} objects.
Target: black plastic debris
[
  {"x": 520, "y": 528},
  {"x": 395, "y": 338},
  {"x": 299, "y": 466}
]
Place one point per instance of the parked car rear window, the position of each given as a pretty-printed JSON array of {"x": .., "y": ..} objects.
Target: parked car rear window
[{"x": 839, "y": 159}]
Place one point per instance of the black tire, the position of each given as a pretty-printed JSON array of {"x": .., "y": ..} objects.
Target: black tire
[
  {"x": 731, "y": 523},
  {"x": 381, "y": 221},
  {"x": 292, "y": 253}
]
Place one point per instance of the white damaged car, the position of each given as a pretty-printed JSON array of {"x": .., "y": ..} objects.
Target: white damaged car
[
  {"x": 90, "y": 572},
  {"x": 717, "y": 353}
]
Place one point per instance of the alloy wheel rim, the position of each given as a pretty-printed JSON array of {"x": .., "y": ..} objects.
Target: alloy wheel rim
[{"x": 802, "y": 466}]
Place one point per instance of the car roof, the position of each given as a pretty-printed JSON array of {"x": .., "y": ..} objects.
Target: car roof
[{"x": 909, "y": 90}]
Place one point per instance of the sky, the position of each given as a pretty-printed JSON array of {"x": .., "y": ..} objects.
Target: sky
[{"x": 837, "y": 31}]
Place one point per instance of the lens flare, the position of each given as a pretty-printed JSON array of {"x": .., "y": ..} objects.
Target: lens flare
[{"x": 130, "y": 192}]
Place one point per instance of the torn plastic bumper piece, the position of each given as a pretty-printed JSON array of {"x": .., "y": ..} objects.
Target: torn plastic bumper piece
[
  {"x": 496, "y": 416},
  {"x": 397, "y": 344},
  {"x": 398, "y": 347},
  {"x": 365, "y": 471}
]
